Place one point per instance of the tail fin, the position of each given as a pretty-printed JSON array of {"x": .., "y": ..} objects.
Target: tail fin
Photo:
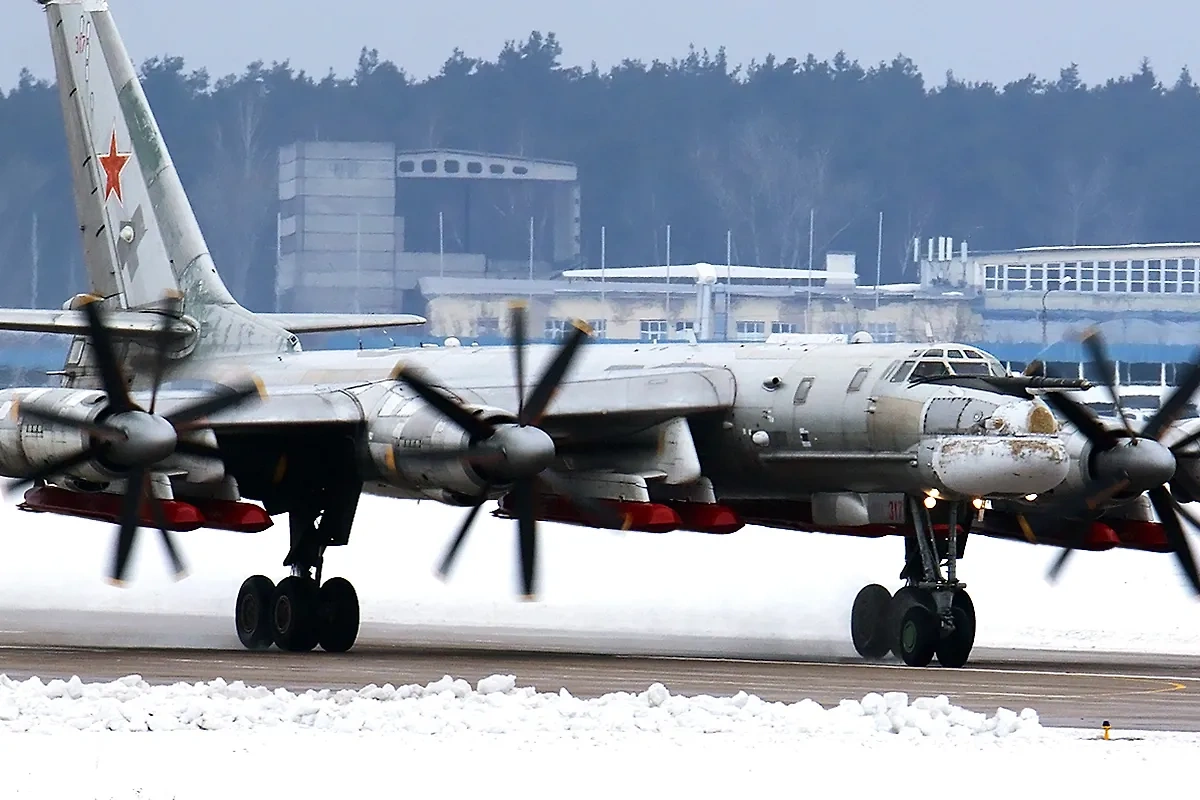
[{"x": 141, "y": 240}]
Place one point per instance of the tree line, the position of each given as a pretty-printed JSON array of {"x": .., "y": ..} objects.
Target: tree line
[{"x": 696, "y": 143}]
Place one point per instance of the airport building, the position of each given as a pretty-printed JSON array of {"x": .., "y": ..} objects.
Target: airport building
[{"x": 361, "y": 222}]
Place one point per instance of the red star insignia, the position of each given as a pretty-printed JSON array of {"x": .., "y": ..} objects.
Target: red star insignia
[{"x": 112, "y": 163}]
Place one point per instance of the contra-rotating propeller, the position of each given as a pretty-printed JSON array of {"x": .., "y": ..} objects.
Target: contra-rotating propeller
[
  {"x": 129, "y": 439},
  {"x": 1128, "y": 461},
  {"x": 518, "y": 454}
]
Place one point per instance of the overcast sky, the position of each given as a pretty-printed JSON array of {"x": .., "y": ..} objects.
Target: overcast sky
[{"x": 998, "y": 40}]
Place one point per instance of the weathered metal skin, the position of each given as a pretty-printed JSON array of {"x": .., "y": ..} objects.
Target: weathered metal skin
[{"x": 988, "y": 466}]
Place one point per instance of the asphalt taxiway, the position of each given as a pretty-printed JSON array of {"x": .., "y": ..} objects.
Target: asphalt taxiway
[{"x": 1074, "y": 689}]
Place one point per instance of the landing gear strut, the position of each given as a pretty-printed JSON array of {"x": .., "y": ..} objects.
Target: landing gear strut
[
  {"x": 300, "y": 612},
  {"x": 932, "y": 615}
]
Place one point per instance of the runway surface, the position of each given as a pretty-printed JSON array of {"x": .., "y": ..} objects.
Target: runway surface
[{"x": 1071, "y": 689}]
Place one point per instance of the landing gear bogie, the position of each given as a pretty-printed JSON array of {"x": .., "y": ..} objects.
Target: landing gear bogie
[
  {"x": 296, "y": 615},
  {"x": 932, "y": 616}
]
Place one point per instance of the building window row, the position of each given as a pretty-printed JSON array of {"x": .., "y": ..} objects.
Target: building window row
[{"x": 1139, "y": 276}]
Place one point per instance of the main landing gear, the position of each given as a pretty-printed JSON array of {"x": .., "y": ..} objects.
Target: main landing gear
[
  {"x": 932, "y": 614},
  {"x": 300, "y": 612}
]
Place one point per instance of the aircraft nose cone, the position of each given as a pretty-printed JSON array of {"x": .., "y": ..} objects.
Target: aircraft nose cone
[
  {"x": 527, "y": 450},
  {"x": 1147, "y": 463},
  {"x": 150, "y": 439}
]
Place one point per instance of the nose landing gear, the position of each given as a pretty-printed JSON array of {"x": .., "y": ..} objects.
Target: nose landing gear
[{"x": 932, "y": 615}]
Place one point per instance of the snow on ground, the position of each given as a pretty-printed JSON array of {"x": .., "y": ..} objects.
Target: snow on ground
[
  {"x": 756, "y": 591},
  {"x": 498, "y": 739}
]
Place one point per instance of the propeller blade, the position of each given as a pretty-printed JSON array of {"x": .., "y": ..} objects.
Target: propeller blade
[
  {"x": 523, "y": 500},
  {"x": 214, "y": 404},
  {"x": 1093, "y": 342},
  {"x": 1082, "y": 418},
  {"x": 1165, "y": 506},
  {"x": 1059, "y": 563},
  {"x": 130, "y": 519},
  {"x": 477, "y": 428},
  {"x": 452, "y": 552},
  {"x": 111, "y": 377},
  {"x": 517, "y": 327},
  {"x": 1034, "y": 368},
  {"x": 55, "y": 468},
  {"x": 543, "y": 393},
  {"x": 94, "y": 429},
  {"x": 179, "y": 570},
  {"x": 1174, "y": 404},
  {"x": 1191, "y": 438}
]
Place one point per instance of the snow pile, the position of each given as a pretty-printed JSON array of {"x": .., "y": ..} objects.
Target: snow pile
[{"x": 496, "y": 705}]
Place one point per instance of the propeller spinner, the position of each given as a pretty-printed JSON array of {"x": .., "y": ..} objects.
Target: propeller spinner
[{"x": 130, "y": 439}]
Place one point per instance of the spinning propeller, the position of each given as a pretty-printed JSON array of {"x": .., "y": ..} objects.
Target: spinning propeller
[
  {"x": 518, "y": 454},
  {"x": 129, "y": 439},
  {"x": 1132, "y": 462}
]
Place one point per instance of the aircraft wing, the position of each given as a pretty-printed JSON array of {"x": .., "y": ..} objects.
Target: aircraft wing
[
  {"x": 625, "y": 403},
  {"x": 124, "y": 324},
  {"x": 324, "y": 323}
]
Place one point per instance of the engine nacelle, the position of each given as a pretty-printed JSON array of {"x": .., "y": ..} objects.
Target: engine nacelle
[
  {"x": 410, "y": 427},
  {"x": 29, "y": 446}
]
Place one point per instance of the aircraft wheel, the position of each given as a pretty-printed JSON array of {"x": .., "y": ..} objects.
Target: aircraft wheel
[
  {"x": 295, "y": 607},
  {"x": 955, "y": 649},
  {"x": 869, "y": 622},
  {"x": 915, "y": 626},
  {"x": 253, "y": 613},
  {"x": 338, "y": 615}
]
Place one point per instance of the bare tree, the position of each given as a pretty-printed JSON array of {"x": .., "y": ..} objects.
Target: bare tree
[
  {"x": 1080, "y": 201},
  {"x": 766, "y": 184},
  {"x": 237, "y": 194},
  {"x": 21, "y": 184}
]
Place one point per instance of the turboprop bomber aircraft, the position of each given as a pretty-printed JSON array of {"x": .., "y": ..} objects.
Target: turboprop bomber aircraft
[{"x": 178, "y": 406}]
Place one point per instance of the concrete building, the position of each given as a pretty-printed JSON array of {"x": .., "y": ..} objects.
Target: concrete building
[
  {"x": 714, "y": 303},
  {"x": 360, "y": 222}
]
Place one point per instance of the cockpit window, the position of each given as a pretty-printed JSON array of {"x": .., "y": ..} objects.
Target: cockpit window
[
  {"x": 936, "y": 353},
  {"x": 902, "y": 374},
  {"x": 969, "y": 368},
  {"x": 954, "y": 354},
  {"x": 973, "y": 354},
  {"x": 931, "y": 369}
]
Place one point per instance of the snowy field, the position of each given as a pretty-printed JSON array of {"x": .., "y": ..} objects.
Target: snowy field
[{"x": 756, "y": 592}]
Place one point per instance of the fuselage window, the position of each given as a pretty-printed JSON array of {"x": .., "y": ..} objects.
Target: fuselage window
[
  {"x": 931, "y": 369},
  {"x": 902, "y": 374},
  {"x": 802, "y": 392},
  {"x": 857, "y": 381}
]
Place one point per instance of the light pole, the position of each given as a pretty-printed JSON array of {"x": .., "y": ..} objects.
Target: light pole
[{"x": 1061, "y": 283}]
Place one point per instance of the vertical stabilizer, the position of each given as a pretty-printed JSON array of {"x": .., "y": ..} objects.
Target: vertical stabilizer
[{"x": 141, "y": 240}]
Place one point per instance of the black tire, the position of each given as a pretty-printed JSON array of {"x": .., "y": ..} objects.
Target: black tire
[
  {"x": 955, "y": 649},
  {"x": 914, "y": 626},
  {"x": 294, "y": 614},
  {"x": 252, "y": 615},
  {"x": 869, "y": 622},
  {"x": 338, "y": 616}
]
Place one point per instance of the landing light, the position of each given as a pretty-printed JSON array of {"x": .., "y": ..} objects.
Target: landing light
[
  {"x": 978, "y": 503},
  {"x": 930, "y": 501},
  {"x": 1031, "y": 497}
]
